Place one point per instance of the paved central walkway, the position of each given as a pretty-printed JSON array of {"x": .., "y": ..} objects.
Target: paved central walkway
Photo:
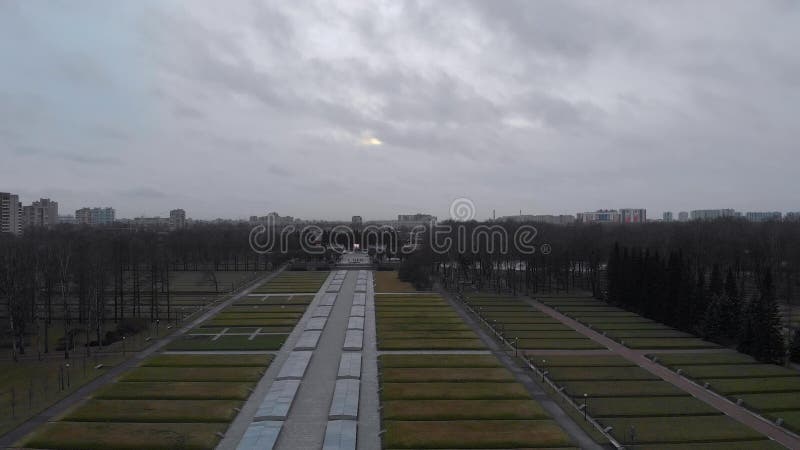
[
  {"x": 724, "y": 405},
  {"x": 305, "y": 425}
]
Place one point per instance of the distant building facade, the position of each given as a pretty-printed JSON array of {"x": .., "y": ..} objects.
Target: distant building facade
[
  {"x": 177, "y": 219},
  {"x": 410, "y": 220},
  {"x": 667, "y": 216},
  {"x": 763, "y": 216},
  {"x": 683, "y": 216},
  {"x": 68, "y": 220},
  {"x": 151, "y": 222},
  {"x": 357, "y": 220},
  {"x": 633, "y": 215},
  {"x": 712, "y": 214},
  {"x": 10, "y": 214},
  {"x": 95, "y": 216},
  {"x": 599, "y": 216},
  {"x": 41, "y": 213},
  {"x": 792, "y": 216},
  {"x": 562, "y": 219}
]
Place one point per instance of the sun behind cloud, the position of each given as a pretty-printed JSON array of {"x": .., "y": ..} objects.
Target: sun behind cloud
[{"x": 371, "y": 141}]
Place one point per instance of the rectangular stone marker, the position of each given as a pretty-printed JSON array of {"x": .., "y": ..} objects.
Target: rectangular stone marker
[
  {"x": 350, "y": 365},
  {"x": 355, "y": 323},
  {"x": 322, "y": 311},
  {"x": 333, "y": 288},
  {"x": 295, "y": 366},
  {"x": 361, "y": 288},
  {"x": 340, "y": 435},
  {"x": 261, "y": 435},
  {"x": 308, "y": 340},
  {"x": 276, "y": 404},
  {"x": 328, "y": 300},
  {"x": 345, "y": 400},
  {"x": 357, "y": 310},
  {"x": 316, "y": 323},
  {"x": 353, "y": 340},
  {"x": 360, "y": 299}
]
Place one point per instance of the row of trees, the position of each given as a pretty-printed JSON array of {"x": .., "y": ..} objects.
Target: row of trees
[
  {"x": 74, "y": 281},
  {"x": 699, "y": 300},
  {"x": 719, "y": 279}
]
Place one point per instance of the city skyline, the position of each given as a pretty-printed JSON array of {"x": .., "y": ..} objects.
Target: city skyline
[{"x": 227, "y": 110}]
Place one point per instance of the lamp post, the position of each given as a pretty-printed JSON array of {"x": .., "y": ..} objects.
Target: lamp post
[
  {"x": 123, "y": 345},
  {"x": 585, "y": 406},
  {"x": 544, "y": 361}
]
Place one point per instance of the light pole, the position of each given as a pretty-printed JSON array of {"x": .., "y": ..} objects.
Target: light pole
[
  {"x": 585, "y": 406},
  {"x": 123, "y": 346},
  {"x": 544, "y": 361}
]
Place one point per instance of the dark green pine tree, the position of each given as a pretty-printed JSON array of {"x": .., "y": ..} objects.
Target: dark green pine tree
[
  {"x": 794, "y": 349},
  {"x": 714, "y": 321},
  {"x": 748, "y": 325},
  {"x": 733, "y": 310},
  {"x": 715, "y": 285},
  {"x": 673, "y": 281},
  {"x": 769, "y": 345},
  {"x": 614, "y": 272}
]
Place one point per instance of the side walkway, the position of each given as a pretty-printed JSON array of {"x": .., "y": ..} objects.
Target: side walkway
[{"x": 722, "y": 404}]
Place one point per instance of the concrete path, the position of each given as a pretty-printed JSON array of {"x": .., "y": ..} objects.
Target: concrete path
[
  {"x": 262, "y": 417},
  {"x": 369, "y": 421},
  {"x": 84, "y": 392},
  {"x": 578, "y": 435},
  {"x": 738, "y": 413},
  {"x": 304, "y": 428}
]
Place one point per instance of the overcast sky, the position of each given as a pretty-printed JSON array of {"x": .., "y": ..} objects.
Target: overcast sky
[{"x": 330, "y": 109}]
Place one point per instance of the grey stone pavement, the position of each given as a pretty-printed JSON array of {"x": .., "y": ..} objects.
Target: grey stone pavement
[
  {"x": 727, "y": 407},
  {"x": 263, "y": 435},
  {"x": 304, "y": 428},
  {"x": 369, "y": 420}
]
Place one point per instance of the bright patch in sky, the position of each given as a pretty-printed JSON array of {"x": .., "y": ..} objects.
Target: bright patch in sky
[{"x": 371, "y": 141}]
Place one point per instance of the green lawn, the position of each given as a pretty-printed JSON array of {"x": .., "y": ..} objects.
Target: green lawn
[
  {"x": 483, "y": 434},
  {"x": 194, "y": 374},
  {"x": 730, "y": 386},
  {"x": 462, "y": 409},
  {"x": 616, "y": 389},
  {"x": 126, "y": 436},
  {"x": 387, "y": 361},
  {"x": 557, "y": 344},
  {"x": 647, "y": 407},
  {"x": 453, "y": 375},
  {"x": 176, "y": 390},
  {"x": 738, "y": 371},
  {"x": 453, "y": 391},
  {"x": 771, "y": 402},
  {"x": 599, "y": 373},
  {"x": 676, "y": 343},
  {"x": 431, "y": 344},
  {"x": 673, "y": 430},
  {"x": 208, "y": 361},
  {"x": 686, "y": 359},
  {"x": 260, "y": 342},
  {"x": 176, "y": 411},
  {"x": 580, "y": 361}
]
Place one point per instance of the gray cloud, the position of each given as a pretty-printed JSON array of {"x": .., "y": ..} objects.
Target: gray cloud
[{"x": 546, "y": 106}]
